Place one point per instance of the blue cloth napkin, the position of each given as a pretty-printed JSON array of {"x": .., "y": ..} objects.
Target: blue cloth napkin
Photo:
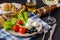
[{"x": 8, "y": 36}]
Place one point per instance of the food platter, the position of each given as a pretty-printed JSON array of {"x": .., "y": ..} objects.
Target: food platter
[{"x": 25, "y": 35}]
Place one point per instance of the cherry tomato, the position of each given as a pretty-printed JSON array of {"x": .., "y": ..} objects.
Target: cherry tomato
[
  {"x": 16, "y": 28},
  {"x": 19, "y": 22},
  {"x": 22, "y": 30}
]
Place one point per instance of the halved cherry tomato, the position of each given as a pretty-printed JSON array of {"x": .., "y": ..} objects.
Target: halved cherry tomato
[
  {"x": 16, "y": 28},
  {"x": 22, "y": 30},
  {"x": 19, "y": 22}
]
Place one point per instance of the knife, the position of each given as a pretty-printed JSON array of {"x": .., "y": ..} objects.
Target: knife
[{"x": 52, "y": 31}]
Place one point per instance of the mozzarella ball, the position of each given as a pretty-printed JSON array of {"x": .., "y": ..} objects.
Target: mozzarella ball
[
  {"x": 36, "y": 24},
  {"x": 31, "y": 20},
  {"x": 28, "y": 25}
]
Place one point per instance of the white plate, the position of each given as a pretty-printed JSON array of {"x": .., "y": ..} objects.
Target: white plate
[{"x": 25, "y": 35}]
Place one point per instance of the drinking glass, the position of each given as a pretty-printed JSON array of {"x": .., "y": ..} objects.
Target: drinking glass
[
  {"x": 49, "y": 19},
  {"x": 31, "y": 5}
]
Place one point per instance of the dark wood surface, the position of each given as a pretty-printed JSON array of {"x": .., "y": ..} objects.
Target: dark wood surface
[{"x": 55, "y": 13}]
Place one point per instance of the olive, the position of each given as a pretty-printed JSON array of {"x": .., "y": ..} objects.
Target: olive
[
  {"x": 34, "y": 29},
  {"x": 28, "y": 31}
]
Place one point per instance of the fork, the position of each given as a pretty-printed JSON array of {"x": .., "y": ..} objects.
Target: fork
[{"x": 45, "y": 31}]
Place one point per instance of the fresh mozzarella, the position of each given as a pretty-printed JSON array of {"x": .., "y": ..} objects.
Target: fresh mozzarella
[
  {"x": 36, "y": 24},
  {"x": 30, "y": 20},
  {"x": 28, "y": 25}
]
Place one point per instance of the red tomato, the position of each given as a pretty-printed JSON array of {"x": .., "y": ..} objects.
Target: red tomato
[
  {"x": 19, "y": 22},
  {"x": 22, "y": 30},
  {"x": 16, "y": 28}
]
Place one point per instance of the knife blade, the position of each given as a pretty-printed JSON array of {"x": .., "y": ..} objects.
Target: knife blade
[{"x": 52, "y": 31}]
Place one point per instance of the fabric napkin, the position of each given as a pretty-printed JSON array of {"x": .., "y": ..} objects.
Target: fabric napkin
[{"x": 8, "y": 36}]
